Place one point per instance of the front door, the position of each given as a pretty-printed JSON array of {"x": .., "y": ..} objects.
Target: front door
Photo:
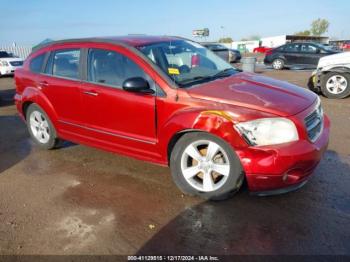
[
  {"x": 311, "y": 54},
  {"x": 111, "y": 113}
]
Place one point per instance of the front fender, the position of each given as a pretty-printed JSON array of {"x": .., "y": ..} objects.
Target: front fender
[
  {"x": 337, "y": 69},
  {"x": 218, "y": 123}
]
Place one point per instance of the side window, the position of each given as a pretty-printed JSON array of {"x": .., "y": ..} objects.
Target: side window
[
  {"x": 111, "y": 68},
  {"x": 291, "y": 48},
  {"x": 306, "y": 48},
  {"x": 66, "y": 63},
  {"x": 281, "y": 48},
  {"x": 36, "y": 63},
  {"x": 48, "y": 66}
]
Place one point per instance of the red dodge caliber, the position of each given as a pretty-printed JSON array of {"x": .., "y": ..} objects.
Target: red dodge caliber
[{"x": 170, "y": 101}]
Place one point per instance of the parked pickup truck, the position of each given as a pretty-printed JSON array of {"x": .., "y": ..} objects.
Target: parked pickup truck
[{"x": 332, "y": 76}]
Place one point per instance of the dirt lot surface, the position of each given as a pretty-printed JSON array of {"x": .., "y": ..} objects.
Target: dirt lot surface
[{"x": 80, "y": 200}]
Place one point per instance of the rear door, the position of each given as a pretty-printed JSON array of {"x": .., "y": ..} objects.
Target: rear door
[
  {"x": 311, "y": 54},
  {"x": 292, "y": 54},
  {"x": 60, "y": 82}
]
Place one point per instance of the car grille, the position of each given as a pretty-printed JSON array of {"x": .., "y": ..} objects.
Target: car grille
[
  {"x": 16, "y": 63},
  {"x": 314, "y": 123}
]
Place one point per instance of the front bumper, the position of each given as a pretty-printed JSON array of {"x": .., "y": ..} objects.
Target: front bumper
[
  {"x": 314, "y": 82},
  {"x": 284, "y": 166}
]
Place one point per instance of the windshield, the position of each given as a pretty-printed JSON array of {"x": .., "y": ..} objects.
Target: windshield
[
  {"x": 187, "y": 62},
  {"x": 4, "y": 54}
]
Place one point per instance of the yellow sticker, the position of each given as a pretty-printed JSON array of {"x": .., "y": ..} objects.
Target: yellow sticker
[{"x": 173, "y": 71}]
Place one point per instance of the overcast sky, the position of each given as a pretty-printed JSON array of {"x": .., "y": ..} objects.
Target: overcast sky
[{"x": 31, "y": 21}]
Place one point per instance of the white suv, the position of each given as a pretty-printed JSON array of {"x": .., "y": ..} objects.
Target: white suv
[
  {"x": 8, "y": 63},
  {"x": 332, "y": 76}
]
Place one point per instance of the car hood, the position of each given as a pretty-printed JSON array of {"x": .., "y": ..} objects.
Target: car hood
[
  {"x": 336, "y": 59},
  {"x": 256, "y": 92},
  {"x": 11, "y": 59}
]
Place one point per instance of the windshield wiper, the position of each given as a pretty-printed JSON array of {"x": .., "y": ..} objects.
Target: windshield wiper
[
  {"x": 195, "y": 79},
  {"x": 222, "y": 73}
]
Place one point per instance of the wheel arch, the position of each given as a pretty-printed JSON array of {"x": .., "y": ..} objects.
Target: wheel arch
[
  {"x": 175, "y": 138},
  {"x": 33, "y": 96},
  {"x": 338, "y": 69},
  {"x": 212, "y": 122}
]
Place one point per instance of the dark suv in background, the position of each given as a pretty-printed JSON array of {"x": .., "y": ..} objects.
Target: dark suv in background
[
  {"x": 228, "y": 54},
  {"x": 305, "y": 55}
]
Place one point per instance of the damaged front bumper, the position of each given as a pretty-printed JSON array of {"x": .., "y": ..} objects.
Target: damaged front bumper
[{"x": 314, "y": 83}]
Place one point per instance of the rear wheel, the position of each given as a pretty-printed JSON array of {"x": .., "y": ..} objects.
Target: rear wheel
[
  {"x": 335, "y": 85},
  {"x": 204, "y": 165},
  {"x": 40, "y": 128},
  {"x": 278, "y": 64}
]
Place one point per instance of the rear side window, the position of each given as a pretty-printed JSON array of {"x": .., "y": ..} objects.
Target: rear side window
[
  {"x": 306, "y": 48},
  {"x": 65, "y": 63},
  {"x": 111, "y": 68},
  {"x": 36, "y": 63}
]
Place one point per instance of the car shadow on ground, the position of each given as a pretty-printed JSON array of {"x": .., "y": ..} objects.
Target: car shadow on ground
[
  {"x": 6, "y": 97},
  {"x": 14, "y": 141},
  {"x": 313, "y": 220}
]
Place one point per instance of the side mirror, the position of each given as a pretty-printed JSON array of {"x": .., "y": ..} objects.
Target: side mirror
[
  {"x": 137, "y": 85},
  {"x": 318, "y": 51}
]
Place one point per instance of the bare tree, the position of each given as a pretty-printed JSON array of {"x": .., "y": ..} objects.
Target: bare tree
[
  {"x": 319, "y": 26},
  {"x": 303, "y": 33}
]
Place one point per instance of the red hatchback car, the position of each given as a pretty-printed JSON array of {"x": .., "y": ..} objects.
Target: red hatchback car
[{"x": 173, "y": 102}]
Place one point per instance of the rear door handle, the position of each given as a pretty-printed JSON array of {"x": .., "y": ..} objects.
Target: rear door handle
[{"x": 90, "y": 93}]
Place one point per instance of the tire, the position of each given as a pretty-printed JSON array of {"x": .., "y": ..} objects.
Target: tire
[
  {"x": 278, "y": 64},
  {"x": 202, "y": 179},
  {"x": 40, "y": 128},
  {"x": 335, "y": 85}
]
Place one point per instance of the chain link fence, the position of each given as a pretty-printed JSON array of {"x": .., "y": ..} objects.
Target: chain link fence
[{"x": 20, "y": 51}]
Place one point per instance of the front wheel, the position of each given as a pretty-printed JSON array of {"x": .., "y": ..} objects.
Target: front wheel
[
  {"x": 205, "y": 165},
  {"x": 335, "y": 85}
]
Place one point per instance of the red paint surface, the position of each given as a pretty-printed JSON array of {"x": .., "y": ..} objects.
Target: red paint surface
[{"x": 142, "y": 126}]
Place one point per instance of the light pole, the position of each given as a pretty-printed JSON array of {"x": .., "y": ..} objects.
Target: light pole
[{"x": 223, "y": 31}]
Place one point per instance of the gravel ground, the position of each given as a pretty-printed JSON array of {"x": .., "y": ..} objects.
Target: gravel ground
[{"x": 80, "y": 200}]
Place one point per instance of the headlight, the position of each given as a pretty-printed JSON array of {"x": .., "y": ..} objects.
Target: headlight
[
  {"x": 268, "y": 131},
  {"x": 4, "y": 63}
]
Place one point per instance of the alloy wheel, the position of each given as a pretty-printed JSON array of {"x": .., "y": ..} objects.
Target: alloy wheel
[
  {"x": 336, "y": 84},
  {"x": 39, "y": 127},
  {"x": 205, "y": 165},
  {"x": 277, "y": 64}
]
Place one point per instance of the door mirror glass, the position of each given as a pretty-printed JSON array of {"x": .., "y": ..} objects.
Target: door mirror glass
[{"x": 138, "y": 85}]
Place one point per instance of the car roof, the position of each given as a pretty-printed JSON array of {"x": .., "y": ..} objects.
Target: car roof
[
  {"x": 130, "y": 40},
  {"x": 314, "y": 43}
]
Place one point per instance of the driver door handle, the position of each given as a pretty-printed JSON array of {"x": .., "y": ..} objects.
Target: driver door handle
[{"x": 90, "y": 93}]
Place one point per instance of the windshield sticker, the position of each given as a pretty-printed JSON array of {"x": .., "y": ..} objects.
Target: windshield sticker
[{"x": 173, "y": 71}]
